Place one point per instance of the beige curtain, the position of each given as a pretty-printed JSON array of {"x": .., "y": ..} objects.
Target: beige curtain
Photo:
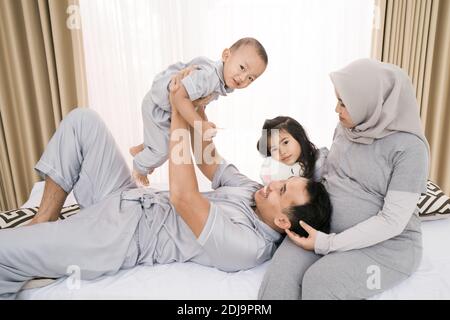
[
  {"x": 415, "y": 35},
  {"x": 42, "y": 79}
]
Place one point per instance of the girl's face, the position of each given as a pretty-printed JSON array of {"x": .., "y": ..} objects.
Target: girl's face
[{"x": 284, "y": 148}]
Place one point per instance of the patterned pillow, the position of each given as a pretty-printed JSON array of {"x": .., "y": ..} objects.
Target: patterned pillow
[
  {"x": 20, "y": 217},
  {"x": 434, "y": 204}
]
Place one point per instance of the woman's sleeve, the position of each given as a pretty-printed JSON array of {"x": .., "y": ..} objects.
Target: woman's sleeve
[{"x": 408, "y": 181}]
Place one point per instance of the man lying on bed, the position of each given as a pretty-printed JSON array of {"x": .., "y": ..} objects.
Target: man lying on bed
[{"x": 234, "y": 227}]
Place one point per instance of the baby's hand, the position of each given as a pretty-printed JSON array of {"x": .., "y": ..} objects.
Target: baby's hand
[{"x": 209, "y": 130}]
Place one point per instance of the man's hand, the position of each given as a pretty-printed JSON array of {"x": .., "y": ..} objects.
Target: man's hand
[
  {"x": 203, "y": 102},
  {"x": 305, "y": 243},
  {"x": 175, "y": 84},
  {"x": 209, "y": 130},
  {"x": 141, "y": 180}
]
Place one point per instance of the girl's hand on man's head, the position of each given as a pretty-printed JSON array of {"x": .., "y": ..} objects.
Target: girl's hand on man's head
[{"x": 305, "y": 243}]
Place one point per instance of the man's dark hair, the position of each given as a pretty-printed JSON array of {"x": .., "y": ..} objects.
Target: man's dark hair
[
  {"x": 316, "y": 213},
  {"x": 255, "y": 44}
]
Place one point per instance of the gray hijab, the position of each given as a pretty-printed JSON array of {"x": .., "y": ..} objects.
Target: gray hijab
[{"x": 380, "y": 100}]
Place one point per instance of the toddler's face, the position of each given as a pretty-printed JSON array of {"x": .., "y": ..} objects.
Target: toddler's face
[
  {"x": 284, "y": 148},
  {"x": 241, "y": 67}
]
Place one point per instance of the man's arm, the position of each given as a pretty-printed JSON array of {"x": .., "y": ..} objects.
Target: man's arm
[
  {"x": 183, "y": 186},
  {"x": 181, "y": 101},
  {"x": 208, "y": 159}
]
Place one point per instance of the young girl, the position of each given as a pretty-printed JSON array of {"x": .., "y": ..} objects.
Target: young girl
[{"x": 288, "y": 150}]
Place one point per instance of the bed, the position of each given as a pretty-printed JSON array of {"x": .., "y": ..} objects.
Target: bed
[{"x": 179, "y": 281}]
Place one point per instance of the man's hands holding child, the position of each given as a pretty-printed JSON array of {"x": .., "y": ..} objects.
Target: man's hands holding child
[
  {"x": 141, "y": 180},
  {"x": 305, "y": 243},
  {"x": 208, "y": 128}
]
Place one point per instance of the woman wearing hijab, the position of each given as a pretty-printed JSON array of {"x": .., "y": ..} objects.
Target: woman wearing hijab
[{"x": 375, "y": 172}]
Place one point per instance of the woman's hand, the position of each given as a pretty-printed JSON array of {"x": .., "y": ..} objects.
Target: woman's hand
[{"x": 305, "y": 243}]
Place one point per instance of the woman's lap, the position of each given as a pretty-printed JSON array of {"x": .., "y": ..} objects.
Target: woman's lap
[
  {"x": 283, "y": 278},
  {"x": 295, "y": 273},
  {"x": 348, "y": 275}
]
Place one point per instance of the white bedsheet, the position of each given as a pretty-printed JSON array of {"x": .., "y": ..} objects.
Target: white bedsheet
[{"x": 192, "y": 281}]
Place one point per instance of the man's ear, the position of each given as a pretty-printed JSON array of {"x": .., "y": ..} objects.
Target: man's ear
[
  {"x": 226, "y": 54},
  {"x": 282, "y": 221}
]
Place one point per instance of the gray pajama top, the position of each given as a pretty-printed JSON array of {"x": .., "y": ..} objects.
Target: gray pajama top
[
  {"x": 205, "y": 80},
  {"x": 233, "y": 238},
  {"x": 361, "y": 179}
]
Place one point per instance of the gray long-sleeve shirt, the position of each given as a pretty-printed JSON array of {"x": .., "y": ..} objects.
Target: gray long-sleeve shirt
[{"x": 361, "y": 179}]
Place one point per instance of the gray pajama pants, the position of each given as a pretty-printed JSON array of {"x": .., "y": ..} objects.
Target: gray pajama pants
[
  {"x": 156, "y": 137},
  {"x": 100, "y": 239},
  {"x": 295, "y": 273}
]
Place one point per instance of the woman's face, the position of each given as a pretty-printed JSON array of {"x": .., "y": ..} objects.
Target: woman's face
[
  {"x": 284, "y": 148},
  {"x": 344, "y": 116}
]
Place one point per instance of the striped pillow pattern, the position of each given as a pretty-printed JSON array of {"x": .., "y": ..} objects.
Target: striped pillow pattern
[
  {"x": 434, "y": 204},
  {"x": 20, "y": 217}
]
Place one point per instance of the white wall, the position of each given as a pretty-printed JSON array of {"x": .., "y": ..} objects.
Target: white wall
[{"x": 128, "y": 41}]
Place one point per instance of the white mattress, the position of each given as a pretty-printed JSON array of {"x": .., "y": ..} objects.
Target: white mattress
[{"x": 191, "y": 281}]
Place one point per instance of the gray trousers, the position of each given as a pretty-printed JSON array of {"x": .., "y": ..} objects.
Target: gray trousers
[
  {"x": 156, "y": 123},
  {"x": 81, "y": 156},
  {"x": 295, "y": 273}
]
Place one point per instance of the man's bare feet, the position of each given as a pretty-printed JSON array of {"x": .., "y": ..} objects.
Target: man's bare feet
[
  {"x": 136, "y": 149},
  {"x": 40, "y": 218},
  {"x": 51, "y": 203}
]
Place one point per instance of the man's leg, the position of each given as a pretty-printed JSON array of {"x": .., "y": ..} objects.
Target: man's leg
[
  {"x": 51, "y": 203},
  {"x": 82, "y": 155},
  {"x": 97, "y": 241}
]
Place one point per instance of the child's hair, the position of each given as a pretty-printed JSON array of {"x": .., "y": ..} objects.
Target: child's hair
[
  {"x": 255, "y": 44},
  {"x": 316, "y": 213},
  {"x": 309, "y": 152}
]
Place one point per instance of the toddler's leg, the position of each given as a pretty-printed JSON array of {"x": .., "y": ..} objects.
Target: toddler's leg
[
  {"x": 156, "y": 138},
  {"x": 82, "y": 155}
]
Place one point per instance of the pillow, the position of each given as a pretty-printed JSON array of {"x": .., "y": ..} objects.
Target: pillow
[
  {"x": 434, "y": 204},
  {"x": 20, "y": 217}
]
